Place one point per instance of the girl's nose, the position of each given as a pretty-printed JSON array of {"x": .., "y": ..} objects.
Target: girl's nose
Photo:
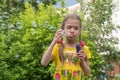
[{"x": 72, "y": 30}]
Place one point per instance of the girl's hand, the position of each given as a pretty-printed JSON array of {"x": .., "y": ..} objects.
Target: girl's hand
[
  {"x": 81, "y": 55},
  {"x": 59, "y": 33}
]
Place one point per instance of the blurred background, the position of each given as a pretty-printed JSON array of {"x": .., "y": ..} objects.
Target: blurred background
[{"x": 27, "y": 28}]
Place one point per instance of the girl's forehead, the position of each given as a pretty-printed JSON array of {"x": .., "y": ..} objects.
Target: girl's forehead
[{"x": 71, "y": 21}]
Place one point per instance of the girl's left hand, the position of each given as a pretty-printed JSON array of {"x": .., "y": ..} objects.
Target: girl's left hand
[{"x": 81, "y": 55}]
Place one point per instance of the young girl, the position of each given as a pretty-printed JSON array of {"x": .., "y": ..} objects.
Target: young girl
[{"x": 71, "y": 62}]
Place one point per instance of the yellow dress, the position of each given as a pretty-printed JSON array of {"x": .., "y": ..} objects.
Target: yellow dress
[{"x": 71, "y": 69}]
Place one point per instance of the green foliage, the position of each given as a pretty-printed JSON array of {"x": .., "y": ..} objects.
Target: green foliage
[
  {"x": 117, "y": 77},
  {"x": 26, "y": 35},
  {"x": 23, "y": 42},
  {"x": 15, "y": 6},
  {"x": 98, "y": 25}
]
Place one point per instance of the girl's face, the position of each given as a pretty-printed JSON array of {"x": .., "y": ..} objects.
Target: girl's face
[{"x": 72, "y": 28}]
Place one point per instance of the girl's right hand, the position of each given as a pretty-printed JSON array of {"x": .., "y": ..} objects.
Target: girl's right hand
[
  {"x": 59, "y": 33},
  {"x": 81, "y": 55}
]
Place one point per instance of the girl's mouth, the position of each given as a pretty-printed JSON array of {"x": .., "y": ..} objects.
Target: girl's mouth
[{"x": 70, "y": 34}]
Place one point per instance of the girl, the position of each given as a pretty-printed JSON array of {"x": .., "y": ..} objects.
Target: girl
[{"x": 71, "y": 63}]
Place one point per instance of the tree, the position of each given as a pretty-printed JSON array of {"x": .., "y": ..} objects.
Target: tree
[
  {"x": 16, "y": 6},
  {"x": 24, "y": 39},
  {"x": 97, "y": 21}
]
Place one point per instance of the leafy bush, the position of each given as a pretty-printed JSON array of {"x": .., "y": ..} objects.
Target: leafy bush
[
  {"x": 117, "y": 77},
  {"x": 23, "y": 43}
]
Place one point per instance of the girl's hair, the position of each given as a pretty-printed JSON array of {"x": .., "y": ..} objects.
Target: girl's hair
[
  {"x": 73, "y": 16},
  {"x": 61, "y": 48}
]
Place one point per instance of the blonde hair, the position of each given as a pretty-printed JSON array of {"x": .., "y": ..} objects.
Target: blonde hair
[{"x": 61, "y": 48}]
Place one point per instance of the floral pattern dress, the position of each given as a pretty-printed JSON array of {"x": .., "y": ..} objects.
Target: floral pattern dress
[{"x": 71, "y": 69}]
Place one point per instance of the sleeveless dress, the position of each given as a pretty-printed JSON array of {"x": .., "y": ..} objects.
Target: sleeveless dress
[{"x": 71, "y": 69}]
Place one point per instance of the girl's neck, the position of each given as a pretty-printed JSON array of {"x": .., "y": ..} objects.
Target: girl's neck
[{"x": 70, "y": 43}]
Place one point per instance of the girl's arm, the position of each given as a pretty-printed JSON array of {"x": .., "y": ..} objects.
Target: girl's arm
[
  {"x": 47, "y": 57},
  {"x": 85, "y": 66},
  {"x": 84, "y": 62}
]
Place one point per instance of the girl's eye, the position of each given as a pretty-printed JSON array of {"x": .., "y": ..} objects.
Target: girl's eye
[
  {"x": 69, "y": 27},
  {"x": 76, "y": 28}
]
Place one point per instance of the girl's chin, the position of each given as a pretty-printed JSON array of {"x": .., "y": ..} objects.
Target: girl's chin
[{"x": 71, "y": 37}]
